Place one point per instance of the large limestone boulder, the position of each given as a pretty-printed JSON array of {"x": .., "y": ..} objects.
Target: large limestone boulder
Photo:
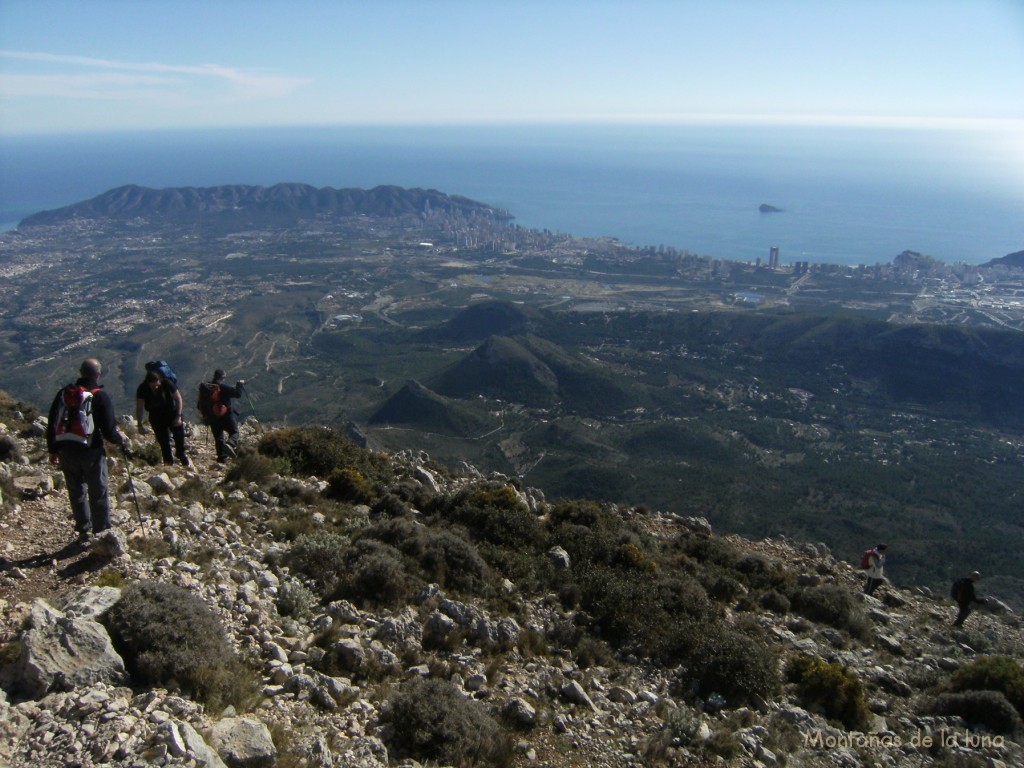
[
  {"x": 61, "y": 652},
  {"x": 243, "y": 742}
]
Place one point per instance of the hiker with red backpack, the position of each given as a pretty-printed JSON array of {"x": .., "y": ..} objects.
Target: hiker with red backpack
[
  {"x": 873, "y": 562},
  {"x": 214, "y": 406},
  {"x": 80, "y": 419}
]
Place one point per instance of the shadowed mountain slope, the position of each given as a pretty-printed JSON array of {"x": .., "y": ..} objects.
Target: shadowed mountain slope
[
  {"x": 536, "y": 372},
  {"x": 277, "y": 205},
  {"x": 419, "y": 408},
  {"x": 477, "y": 322}
]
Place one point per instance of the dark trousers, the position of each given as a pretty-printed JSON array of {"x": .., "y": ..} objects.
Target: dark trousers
[
  {"x": 221, "y": 426},
  {"x": 872, "y": 585},
  {"x": 163, "y": 433},
  {"x": 85, "y": 474},
  {"x": 965, "y": 609}
]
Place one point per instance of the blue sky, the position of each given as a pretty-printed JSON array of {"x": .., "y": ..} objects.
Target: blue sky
[{"x": 134, "y": 64}]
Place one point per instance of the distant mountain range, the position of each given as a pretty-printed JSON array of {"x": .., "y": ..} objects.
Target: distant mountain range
[
  {"x": 280, "y": 204},
  {"x": 1015, "y": 259}
]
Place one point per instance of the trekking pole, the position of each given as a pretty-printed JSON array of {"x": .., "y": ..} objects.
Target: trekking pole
[
  {"x": 249, "y": 401},
  {"x": 131, "y": 484}
]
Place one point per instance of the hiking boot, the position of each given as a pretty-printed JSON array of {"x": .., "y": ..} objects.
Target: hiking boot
[
  {"x": 229, "y": 451},
  {"x": 184, "y": 461}
]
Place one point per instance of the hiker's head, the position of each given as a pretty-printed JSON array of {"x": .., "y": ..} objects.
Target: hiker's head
[
  {"x": 882, "y": 547},
  {"x": 153, "y": 379},
  {"x": 975, "y": 575},
  {"x": 218, "y": 376},
  {"x": 91, "y": 368}
]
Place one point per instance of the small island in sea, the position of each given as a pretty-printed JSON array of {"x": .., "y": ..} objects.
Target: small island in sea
[{"x": 765, "y": 208}]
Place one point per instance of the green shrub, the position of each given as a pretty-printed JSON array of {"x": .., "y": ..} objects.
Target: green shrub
[
  {"x": 588, "y": 514},
  {"x": 993, "y": 673},
  {"x": 288, "y": 523},
  {"x": 710, "y": 550},
  {"x": 319, "y": 450},
  {"x": 730, "y": 663},
  {"x": 147, "y": 451},
  {"x": 443, "y": 555},
  {"x": 251, "y": 467},
  {"x": 389, "y": 505},
  {"x": 349, "y": 484},
  {"x": 374, "y": 574},
  {"x": 725, "y": 589},
  {"x": 166, "y": 634},
  {"x": 9, "y": 450},
  {"x": 832, "y": 605},
  {"x": 831, "y": 688},
  {"x": 775, "y": 601},
  {"x": 988, "y": 708},
  {"x": 293, "y": 599},
  {"x": 495, "y": 515},
  {"x": 319, "y": 555},
  {"x": 453, "y": 562},
  {"x": 431, "y": 721}
]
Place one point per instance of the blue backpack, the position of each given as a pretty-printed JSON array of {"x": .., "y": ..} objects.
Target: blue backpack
[{"x": 163, "y": 369}]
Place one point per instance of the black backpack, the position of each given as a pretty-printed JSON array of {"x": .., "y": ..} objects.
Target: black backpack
[{"x": 957, "y": 588}]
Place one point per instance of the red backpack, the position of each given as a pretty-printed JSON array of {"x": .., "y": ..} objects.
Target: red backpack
[
  {"x": 865, "y": 558},
  {"x": 209, "y": 404},
  {"x": 74, "y": 415}
]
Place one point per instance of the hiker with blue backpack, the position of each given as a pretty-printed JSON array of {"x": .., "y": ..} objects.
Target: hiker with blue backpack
[
  {"x": 158, "y": 395},
  {"x": 80, "y": 419}
]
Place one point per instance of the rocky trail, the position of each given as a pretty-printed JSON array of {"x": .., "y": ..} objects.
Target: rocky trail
[{"x": 330, "y": 675}]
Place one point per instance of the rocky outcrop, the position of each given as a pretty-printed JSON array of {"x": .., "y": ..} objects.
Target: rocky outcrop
[{"x": 62, "y": 651}]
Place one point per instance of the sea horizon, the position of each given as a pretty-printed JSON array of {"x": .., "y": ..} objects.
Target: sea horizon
[{"x": 846, "y": 195}]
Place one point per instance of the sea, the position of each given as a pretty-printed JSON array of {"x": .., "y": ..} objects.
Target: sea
[{"x": 847, "y": 195}]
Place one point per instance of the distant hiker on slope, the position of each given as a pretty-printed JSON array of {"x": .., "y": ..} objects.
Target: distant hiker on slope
[
  {"x": 963, "y": 594},
  {"x": 873, "y": 561},
  {"x": 81, "y": 418},
  {"x": 214, "y": 406},
  {"x": 162, "y": 400}
]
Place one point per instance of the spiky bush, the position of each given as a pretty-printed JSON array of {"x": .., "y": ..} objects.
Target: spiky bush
[
  {"x": 831, "y": 688},
  {"x": 166, "y": 634},
  {"x": 988, "y": 708},
  {"x": 429, "y": 720},
  {"x": 993, "y": 673}
]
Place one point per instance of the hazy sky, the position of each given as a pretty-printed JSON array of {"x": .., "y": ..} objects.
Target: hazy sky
[{"x": 83, "y": 65}]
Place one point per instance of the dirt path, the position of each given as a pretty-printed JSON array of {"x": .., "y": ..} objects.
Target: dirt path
[{"x": 39, "y": 553}]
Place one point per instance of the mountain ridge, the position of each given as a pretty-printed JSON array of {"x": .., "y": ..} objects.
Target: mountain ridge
[{"x": 287, "y": 202}]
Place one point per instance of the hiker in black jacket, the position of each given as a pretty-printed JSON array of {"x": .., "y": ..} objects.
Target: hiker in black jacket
[
  {"x": 162, "y": 401},
  {"x": 83, "y": 460},
  {"x": 963, "y": 593},
  {"x": 219, "y": 414}
]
